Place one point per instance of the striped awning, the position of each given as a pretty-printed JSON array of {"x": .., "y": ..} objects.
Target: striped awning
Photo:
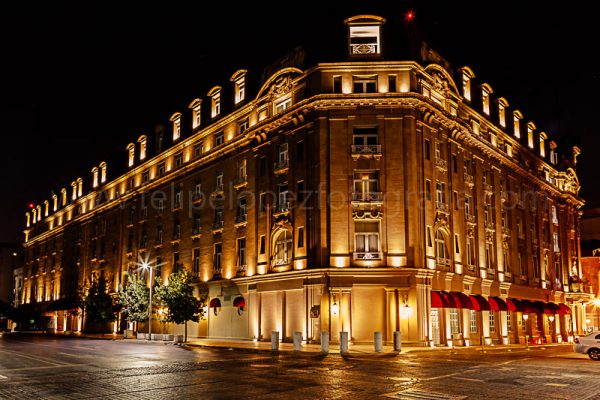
[
  {"x": 479, "y": 303},
  {"x": 441, "y": 299},
  {"x": 564, "y": 309},
  {"x": 461, "y": 300},
  {"x": 514, "y": 305},
  {"x": 497, "y": 304}
]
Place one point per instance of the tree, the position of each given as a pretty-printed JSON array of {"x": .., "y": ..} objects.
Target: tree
[
  {"x": 134, "y": 299},
  {"x": 179, "y": 301},
  {"x": 99, "y": 305}
]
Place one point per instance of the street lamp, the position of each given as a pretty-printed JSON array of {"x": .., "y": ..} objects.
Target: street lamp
[{"x": 146, "y": 266}]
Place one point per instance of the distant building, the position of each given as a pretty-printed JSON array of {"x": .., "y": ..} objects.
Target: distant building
[
  {"x": 590, "y": 263},
  {"x": 371, "y": 191},
  {"x": 9, "y": 260}
]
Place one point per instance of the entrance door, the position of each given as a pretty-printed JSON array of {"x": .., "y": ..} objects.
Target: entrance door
[{"x": 435, "y": 326}]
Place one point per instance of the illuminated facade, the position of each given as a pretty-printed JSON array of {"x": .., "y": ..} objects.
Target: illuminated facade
[{"x": 363, "y": 195}]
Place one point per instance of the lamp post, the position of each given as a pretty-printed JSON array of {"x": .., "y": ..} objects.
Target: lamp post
[{"x": 146, "y": 266}]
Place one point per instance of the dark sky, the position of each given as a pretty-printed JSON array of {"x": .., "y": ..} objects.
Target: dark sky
[{"x": 79, "y": 80}]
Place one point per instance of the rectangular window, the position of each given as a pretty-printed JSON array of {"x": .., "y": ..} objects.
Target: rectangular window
[
  {"x": 263, "y": 202},
  {"x": 242, "y": 169},
  {"x": 218, "y": 216},
  {"x": 300, "y": 192},
  {"x": 159, "y": 234},
  {"x": 145, "y": 177},
  {"x": 366, "y": 240},
  {"x": 364, "y": 39},
  {"x": 492, "y": 322},
  {"x": 517, "y": 126},
  {"x": 283, "y": 152},
  {"x": 176, "y": 230},
  {"x": 240, "y": 90},
  {"x": 243, "y": 126},
  {"x": 488, "y": 256},
  {"x": 454, "y": 326},
  {"x": 366, "y": 84},
  {"x": 455, "y": 200},
  {"x": 262, "y": 244},
  {"x": 218, "y": 255},
  {"x": 197, "y": 188},
  {"x": 241, "y": 209},
  {"x": 470, "y": 251},
  {"x": 365, "y": 136},
  {"x": 198, "y": 149},
  {"x": 508, "y": 321},
  {"x": 427, "y": 150},
  {"x": 216, "y": 104},
  {"x": 283, "y": 105},
  {"x": 178, "y": 160},
  {"x": 392, "y": 83},
  {"x": 161, "y": 169},
  {"x": 282, "y": 198},
  {"x": 456, "y": 244},
  {"x": 176, "y": 264},
  {"x": 366, "y": 186},
  {"x": 219, "y": 139},
  {"x": 241, "y": 253},
  {"x": 219, "y": 180},
  {"x": 440, "y": 192},
  {"x": 300, "y": 237},
  {"x": 472, "y": 321},
  {"x": 196, "y": 261},
  {"x": 337, "y": 84},
  {"x": 178, "y": 199},
  {"x": 429, "y": 237},
  {"x": 428, "y": 189}
]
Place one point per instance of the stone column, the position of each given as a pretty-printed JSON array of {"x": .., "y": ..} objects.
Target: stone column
[
  {"x": 466, "y": 324},
  {"x": 503, "y": 327},
  {"x": 485, "y": 327},
  {"x": 422, "y": 314}
]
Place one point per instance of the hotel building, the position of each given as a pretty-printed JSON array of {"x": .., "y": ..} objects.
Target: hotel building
[{"x": 380, "y": 191}]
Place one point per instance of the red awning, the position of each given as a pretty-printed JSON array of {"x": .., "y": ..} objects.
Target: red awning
[
  {"x": 544, "y": 307},
  {"x": 564, "y": 309},
  {"x": 479, "y": 303},
  {"x": 497, "y": 304},
  {"x": 554, "y": 307},
  {"x": 530, "y": 307},
  {"x": 514, "y": 305},
  {"x": 441, "y": 299},
  {"x": 214, "y": 303},
  {"x": 461, "y": 300},
  {"x": 239, "y": 302}
]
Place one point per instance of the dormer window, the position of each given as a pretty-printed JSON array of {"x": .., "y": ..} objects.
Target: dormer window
[
  {"x": 530, "y": 129},
  {"x": 143, "y": 147},
  {"x": 553, "y": 154},
  {"x": 486, "y": 90},
  {"x": 543, "y": 138},
  {"x": 79, "y": 187},
  {"x": 131, "y": 154},
  {"x": 195, "y": 107},
  {"x": 517, "y": 116},
  {"x": 54, "y": 202},
  {"x": 502, "y": 105},
  {"x": 215, "y": 101},
  {"x": 364, "y": 34},
  {"x": 176, "y": 119},
  {"x": 239, "y": 83},
  {"x": 73, "y": 190},
  {"x": 39, "y": 213},
  {"x": 102, "y": 172},
  {"x": 46, "y": 208},
  {"x": 63, "y": 194},
  {"x": 28, "y": 219},
  {"x": 467, "y": 76},
  {"x": 95, "y": 177}
]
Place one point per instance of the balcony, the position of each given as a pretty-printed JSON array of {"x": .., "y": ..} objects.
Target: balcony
[
  {"x": 282, "y": 208},
  {"x": 488, "y": 189},
  {"x": 468, "y": 180},
  {"x": 281, "y": 167},
  {"x": 370, "y": 197},
  {"x": 363, "y": 48},
  {"x": 217, "y": 271},
  {"x": 196, "y": 232},
  {"x": 443, "y": 262},
  {"x": 490, "y": 226},
  {"x": 218, "y": 191},
  {"x": 505, "y": 197},
  {"x": 366, "y": 151},
  {"x": 241, "y": 269},
  {"x": 241, "y": 220},
  {"x": 217, "y": 227},
  {"x": 505, "y": 231},
  {"x": 196, "y": 198},
  {"x": 470, "y": 219},
  {"x": 240, "y": 182},
  {"x": 441, "y": 206},
  {"x": 371, "y": 255},
  {"x": 441, "y": 164}
]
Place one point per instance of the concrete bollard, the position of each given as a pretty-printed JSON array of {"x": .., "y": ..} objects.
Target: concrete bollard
[
  {"x": 324, "y": 342},
  {"x": 397, "y": 341},
  {"x": 378, "y": 342},
  {"x": 297, "y": 340},
  {"x": 275, "y": 341},
  {"x": 343, "y": 342}
]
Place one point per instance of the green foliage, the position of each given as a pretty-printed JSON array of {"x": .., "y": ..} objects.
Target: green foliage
[
  {"x": 178, "y": 299},
  {"x": 134, "y": 299},
  {"x": 100, "y": 306}
]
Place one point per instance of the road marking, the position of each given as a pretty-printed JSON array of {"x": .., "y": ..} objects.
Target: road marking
[
  {"x": 560, "y": 385},
  {"x": 469, "y": 379},
  {"x": 45, "y": 367},
  {"x": 3, "y": 377},
  {"x": 38, "y": 359}
]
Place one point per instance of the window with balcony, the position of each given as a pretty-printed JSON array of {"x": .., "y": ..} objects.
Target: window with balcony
[
  {"x": 239, "y": 85},
  {"x": 365, "y": 141},
  {"x": 440, "y": 193},
  {"x": 196, "y": 224},
  {"x": 530, "y": 130},
  {"x": 366, "y": 186},
  {"x": 178, "y": 199},
  {"x": 282, "y": 253},
  {"x": 486, "y": 91},
  {"x": 366, "y": 240},
  {"x": 218, "y": 217},
  {"x": 467, "y": 76},
  {"x": 178, "y": 160},
  {"x": 160, "y": 169},
  {"x": 365, "y": 39},
  {"x": 441, "y": 249},
  {"x": 283, "y": 197},
  {"x": 364, "y": 84},
  {"x": 241, "y": 210},
  {"x": 176, "y": 119},
  {"x": 241, "y": 254},
  {"x": 502, "y": 105}
]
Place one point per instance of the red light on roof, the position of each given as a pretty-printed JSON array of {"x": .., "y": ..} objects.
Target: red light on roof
[
  {"x": 31, "y": 206},
  {"x": 410, "y": 15}
]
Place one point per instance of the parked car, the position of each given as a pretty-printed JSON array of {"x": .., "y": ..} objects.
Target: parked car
[{"x": 589, "y": 345}]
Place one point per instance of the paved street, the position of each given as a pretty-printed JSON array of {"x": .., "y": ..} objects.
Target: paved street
[{"x": 78, "y": 368}]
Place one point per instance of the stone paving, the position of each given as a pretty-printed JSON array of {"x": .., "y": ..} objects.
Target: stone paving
[{"x": 73, "y": 368}]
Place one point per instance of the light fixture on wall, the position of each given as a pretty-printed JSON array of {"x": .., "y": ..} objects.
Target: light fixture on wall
[
  {"x": 405, "y": 310},
  {"x": 551, "y": 318},
  {"x": 525, "y": 317},
  {"x": 335, "y": 307}
]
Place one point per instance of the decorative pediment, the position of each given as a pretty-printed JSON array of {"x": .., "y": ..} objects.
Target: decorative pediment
[
  {"x": 367, "y": 214},
  {"x": 280, "y": 83}
]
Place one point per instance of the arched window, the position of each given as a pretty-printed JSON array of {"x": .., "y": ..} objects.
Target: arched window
[
  {"x": 95, "y": 177},
  {"x": 46, "y": 208},
  {"x": 54, "y": 202},
  {"x": 73, "y": 190},
  {"x": 142, "y": 141},
  {"x": 195, "y": 106},
  {"x": 131, "y": 154},
  {"x": 79, "y": 187},
  {"x": 441, "y": 251},
  {"x": 63, "y": 194},
  {"x": 28, "y": 219},
  {"x": 215, "y": 101},
  {"x": 283, "y": 249},
  {"x": 176, "y": 120},
  {"x": 102, "y": 172}
]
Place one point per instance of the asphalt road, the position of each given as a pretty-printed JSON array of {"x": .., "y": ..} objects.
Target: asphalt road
[{"x": 78, "y": 368}]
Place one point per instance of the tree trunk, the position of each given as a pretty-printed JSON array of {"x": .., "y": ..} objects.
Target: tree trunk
[{"x": 185, "y": 332}]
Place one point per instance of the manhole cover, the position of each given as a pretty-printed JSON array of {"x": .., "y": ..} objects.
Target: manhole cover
[{"x": 418, "y": 394}]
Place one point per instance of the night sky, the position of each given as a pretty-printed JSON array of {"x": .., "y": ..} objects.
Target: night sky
[{"x": 80, "y": 80}]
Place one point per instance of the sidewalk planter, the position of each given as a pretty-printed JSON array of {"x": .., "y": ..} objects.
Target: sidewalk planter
[
  {"x": 157, "y": 336},
  {"x": 178, "y": 338},
  {"x": 128, "y": 334},
  {"x": 168, "y": 337},
  {"x": 141, "y": 336}
]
